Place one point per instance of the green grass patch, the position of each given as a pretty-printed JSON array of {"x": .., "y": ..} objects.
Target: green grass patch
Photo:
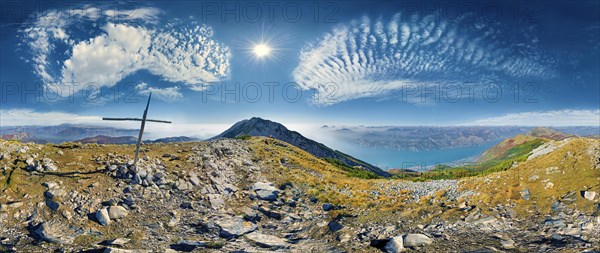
[
  {"x": 352, "y": 171},
  {"x": 517, "y": 153},
  {"x": 243, "y": 137}
]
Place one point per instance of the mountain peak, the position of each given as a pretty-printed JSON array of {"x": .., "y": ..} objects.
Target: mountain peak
[
  {"x": 259, "y": 119},
  {"x": 256, "y": 126},
  {"x": 264, "y": 121}
]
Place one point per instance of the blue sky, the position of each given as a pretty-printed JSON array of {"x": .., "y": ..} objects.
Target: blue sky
[{"x": 339, "y": 63}]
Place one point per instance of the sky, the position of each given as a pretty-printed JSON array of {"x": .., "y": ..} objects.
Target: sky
[{"x": 302, "y": 63}]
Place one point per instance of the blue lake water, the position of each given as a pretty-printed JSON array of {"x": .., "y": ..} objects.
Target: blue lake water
[{"x": 389, "y": 158}]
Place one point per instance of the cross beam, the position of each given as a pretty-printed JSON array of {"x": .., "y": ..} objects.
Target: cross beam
[{"x": 143, "y": 120}]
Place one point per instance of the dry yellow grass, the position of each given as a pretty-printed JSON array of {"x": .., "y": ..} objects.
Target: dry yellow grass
[
  {"x": 569, "y": 169},
  {"x": 328, "y": 183},
  {"x": 321, "y": 179}
]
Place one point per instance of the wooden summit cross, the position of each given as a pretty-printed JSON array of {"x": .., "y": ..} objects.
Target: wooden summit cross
[{"x": 143, "y": 120}]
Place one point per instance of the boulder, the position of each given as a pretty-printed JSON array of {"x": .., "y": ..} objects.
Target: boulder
[
  {"x": 589, "y": 195},
  {"x": 416, "y": 240},
  {"x": 194, "y": 179},
  {"x": 233, "y": 227},
  {"x": 216, "y": 201},
  {"x": 56, "y": 232},
  {"x": 50, "y": 167},
  {"x": 270, "y": 213},
  {"x": 117, "y": 250},
  {"x": 103, "y": 217},
  {"x": 525, "y": 194},
  {"x": 136, "y": 179},
  {"x": 266, "y": 241},
  {"x": 15, "y": 204},
  {"x": 327, "y": 207},
  {"x": 395, "y": 245},
  {"x": 334, "y": 226},
  {"x": 117, "y": 212},
  {"x": 111, "y": 167},
  {"x": 50, "y": 185},
  {"x": 251, "y": 215},
  {"x": 116, "y": 242},
  {"x": 558, "y": 223},
  {"x": 142, "y": 173},
  {"x": 54, "y": 192},
  {"x": 47, "y": 161},
  {"x": 187, "y": 246},
  {"x": 52, "y": 204},
  {"x": 29, "y": 161},
  {"x": 507, "y": 244},
  {"x": 486, "y": 220},
  {"x": 265, "y": 191},
  {"x": 183, "y": 185},
  {"x": 587, "y": 226}
]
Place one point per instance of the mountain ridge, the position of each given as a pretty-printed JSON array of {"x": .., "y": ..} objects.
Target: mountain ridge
[
  {"x": 548, "y": 133},
  {"x": 421, "y": 138},
  {"x": 262, "y": 127},
  {"x": 103, "y": 139},
  {"x": 62, "y": 133}
]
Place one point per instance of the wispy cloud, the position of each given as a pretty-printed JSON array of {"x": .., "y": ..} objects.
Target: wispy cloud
[
  {"x": 545, "y": 118},
  {"x": 169, "y": 94},
  {"x": 19, "y": 117},
  {"x": 369, "y": 58},
  {"x": 149, "y": 14},
  {"x": 125, "y": 42}
]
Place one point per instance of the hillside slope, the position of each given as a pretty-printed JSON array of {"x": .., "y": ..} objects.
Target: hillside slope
[
  {"x": 521, "y": 144},
  {"x": 556, "y": 175},
  {"x": 510, "y": 147},
  {"x": 261, "y": 127},
  {"x": 263, "y": 194},
  {"x": 547, "y": 133}
]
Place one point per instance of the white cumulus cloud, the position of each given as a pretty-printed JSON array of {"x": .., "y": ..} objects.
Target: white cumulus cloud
[{"x": 125, "y": 42}]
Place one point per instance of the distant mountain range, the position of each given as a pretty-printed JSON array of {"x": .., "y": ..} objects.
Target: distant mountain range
[
  {"x": 80, "y": 133},
  {"x": 175, "y": 139},
  {"x": 419, "y": 138},
  {"x": 61, "y": 133},
  {"x": 102, "y": 139},
  {"x": 261, "y": 127}
]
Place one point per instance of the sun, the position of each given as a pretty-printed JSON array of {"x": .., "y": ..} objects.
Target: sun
[{"x": 262, "y": 50}]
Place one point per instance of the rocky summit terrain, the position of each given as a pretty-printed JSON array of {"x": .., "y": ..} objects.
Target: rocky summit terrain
[{"x": 265, "y": 195}]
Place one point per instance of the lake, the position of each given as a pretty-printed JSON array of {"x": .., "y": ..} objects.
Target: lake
[{"x": 386, "y": 158}]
